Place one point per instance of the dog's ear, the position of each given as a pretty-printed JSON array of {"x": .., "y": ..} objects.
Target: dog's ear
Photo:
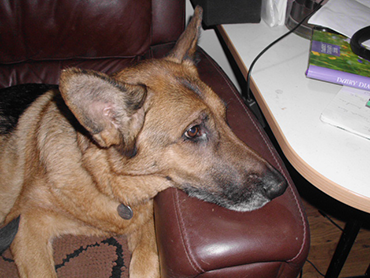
[
  {"x": 111, "y": 111},
  {"x": 186, "y": 45}
]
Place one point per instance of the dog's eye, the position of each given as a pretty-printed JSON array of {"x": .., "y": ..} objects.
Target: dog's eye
[{"x": 193, "y": 132}]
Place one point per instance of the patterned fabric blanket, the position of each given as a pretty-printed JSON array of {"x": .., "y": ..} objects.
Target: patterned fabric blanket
[{"x": 82, "y": 257}]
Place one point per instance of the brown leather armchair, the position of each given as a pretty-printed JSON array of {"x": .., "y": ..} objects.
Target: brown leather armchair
[{"x": 195, "y": 239}]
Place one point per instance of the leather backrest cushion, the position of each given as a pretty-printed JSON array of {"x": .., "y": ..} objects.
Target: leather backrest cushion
[
  {"x": 168, "y": 20},
  {"x": 64, "y": 29}
]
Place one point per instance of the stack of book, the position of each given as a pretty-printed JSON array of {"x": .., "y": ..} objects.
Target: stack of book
[{"x": 331, "y": 59}]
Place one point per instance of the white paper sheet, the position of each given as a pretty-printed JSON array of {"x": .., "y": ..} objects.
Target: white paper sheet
[
  {"x": 344, "y": 16},
  {"x": 348, "y": 111}
]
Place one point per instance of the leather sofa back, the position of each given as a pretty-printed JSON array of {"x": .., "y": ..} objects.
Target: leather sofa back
[{"x": 38, "y": 34}]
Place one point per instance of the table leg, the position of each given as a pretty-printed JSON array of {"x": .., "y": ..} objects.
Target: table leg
[{"x": 344, "y": 246}]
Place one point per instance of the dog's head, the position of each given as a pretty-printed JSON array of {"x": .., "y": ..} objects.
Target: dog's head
[{"x": 158, "y": 118}]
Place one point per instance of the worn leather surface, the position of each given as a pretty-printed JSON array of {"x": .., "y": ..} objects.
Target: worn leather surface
[{"x": 196, "y": 239}]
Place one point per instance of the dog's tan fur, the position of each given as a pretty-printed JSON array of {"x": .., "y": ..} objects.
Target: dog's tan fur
[{"x": 77, "y": 154}]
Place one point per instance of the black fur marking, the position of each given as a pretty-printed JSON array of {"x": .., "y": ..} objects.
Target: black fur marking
[
  {"x": 15, "y": 100},
  {"x": 8, "y": 233}
]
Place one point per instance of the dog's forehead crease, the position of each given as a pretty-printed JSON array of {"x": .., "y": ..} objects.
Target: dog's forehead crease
[
  {"x": 191, "y": 85},
  {"x": 205, "y": 93}
]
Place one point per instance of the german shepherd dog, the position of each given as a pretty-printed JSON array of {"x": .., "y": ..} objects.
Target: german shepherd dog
[{"x": 88, "y": 159}]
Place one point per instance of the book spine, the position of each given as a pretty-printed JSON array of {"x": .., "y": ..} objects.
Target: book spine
[{"x": 339, "y": 77}]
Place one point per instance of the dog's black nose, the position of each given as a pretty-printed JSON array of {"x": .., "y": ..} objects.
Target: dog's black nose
[{"x": 274, "y": 184}]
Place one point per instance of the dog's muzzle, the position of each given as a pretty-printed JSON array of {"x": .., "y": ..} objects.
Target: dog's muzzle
[
  {"x": 246, "y": 193},
  {"x": 274, "y": 184}
]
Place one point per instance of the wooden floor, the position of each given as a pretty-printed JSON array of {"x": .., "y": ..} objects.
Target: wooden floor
[
  {"x": 324, "y": 238},
  {"x": 325, "y": 235}
]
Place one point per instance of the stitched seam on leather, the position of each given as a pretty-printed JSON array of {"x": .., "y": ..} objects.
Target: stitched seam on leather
[
  {"x": 303, "y": 222},
  {"x": 184, "y": 238}
]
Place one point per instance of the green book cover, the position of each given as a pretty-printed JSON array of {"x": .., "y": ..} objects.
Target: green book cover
[{"x": 331, "y": 59}]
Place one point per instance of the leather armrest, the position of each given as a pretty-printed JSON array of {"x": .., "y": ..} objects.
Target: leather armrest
[{"x": 199, "y": 239}]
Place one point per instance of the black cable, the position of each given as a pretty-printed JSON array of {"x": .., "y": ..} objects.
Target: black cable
[
  {"x": 327, "y": 217},
  {"x": 318, "y": 271},
  {"x": 336, "y": 225},
  {"x": 273, "y": 43}
]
